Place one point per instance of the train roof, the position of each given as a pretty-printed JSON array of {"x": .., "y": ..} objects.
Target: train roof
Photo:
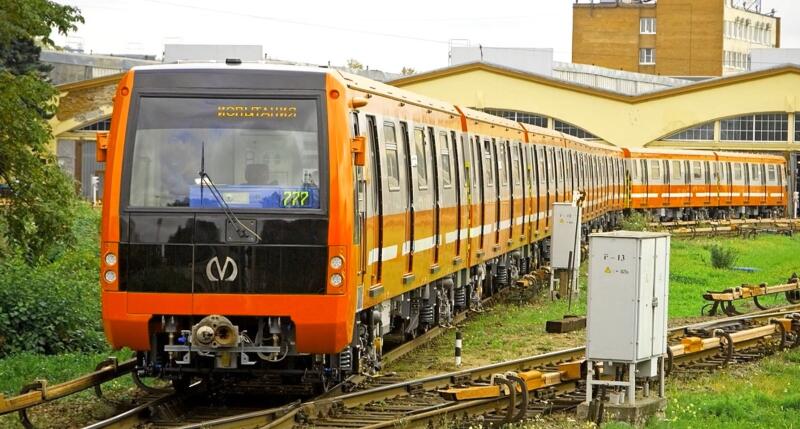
[
  {"x": 362, "y": 83},
  {"x": 644, "y": 152},
  {"x": 224, "y": 66}
]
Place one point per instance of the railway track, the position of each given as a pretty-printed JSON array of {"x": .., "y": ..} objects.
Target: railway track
[
  {"x": 728, "y": 227},
  {"x": 169, "y": 409},
  {"x": 417, "y": 403},
  {"x": 722, "y": 342},
  {"x": 181, "y": 410}
]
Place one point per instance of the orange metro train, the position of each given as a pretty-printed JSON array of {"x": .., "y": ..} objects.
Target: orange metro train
[{"x": 284, "y": 222}]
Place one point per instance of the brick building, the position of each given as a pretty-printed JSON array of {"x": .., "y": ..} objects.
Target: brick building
[{"x": 684, "y": 38}]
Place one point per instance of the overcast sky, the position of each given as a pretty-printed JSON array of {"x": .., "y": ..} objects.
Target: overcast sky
[{"x": 385, "y": 35}]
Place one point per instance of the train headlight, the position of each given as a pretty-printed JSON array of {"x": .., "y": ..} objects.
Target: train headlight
[
  {"x": 111, "y": 259},
  {"x": 337, "y": 279},
  {"x": 110, "y": 276},
  {"x": 337, "y": 262}
]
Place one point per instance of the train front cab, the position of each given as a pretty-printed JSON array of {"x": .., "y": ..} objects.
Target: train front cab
[{"x": 227, "y": 219}]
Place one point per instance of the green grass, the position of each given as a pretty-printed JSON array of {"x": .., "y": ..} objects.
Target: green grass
[
  {"x": 23, "y": 368},
  {"x": 20, "y": 369},
  {"x": 759, "y": 395},
  {"x": 691, "y": 274}
]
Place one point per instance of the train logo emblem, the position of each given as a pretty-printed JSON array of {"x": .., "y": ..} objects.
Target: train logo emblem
[{"x": 221, "y": 270}]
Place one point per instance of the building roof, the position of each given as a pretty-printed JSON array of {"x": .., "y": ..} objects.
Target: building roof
[{"x": 591, "y": 90}]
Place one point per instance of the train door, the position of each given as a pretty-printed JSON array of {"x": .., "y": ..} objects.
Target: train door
[
  {"x": 514, "y": 188},
  {"x": 686, "y": 186},
  {"x": 460, "y": 155},
  {"x": 422, "y": 238},
  {"x": 436, "y": 187},
  {"x": 360, "y": 214},
  {"x": 529, "y": 186},
  {"x": 669, "y": 176},
  {"x": 536, "y": 161},
  {"x": 763, "y": 187},
  {"x": 646, "y": 182},
  {"x": 500, "y": 180},
  {"x": 478, "y": 180},
  {"x": 550, "y": 183},
  {"x": 747, "y": 182},
  {"x": 707, "y": 187},
  {"x": 391, "y": 198},
  {"x": 408, "y": 244},
  {"x": 728, "y": 191},
  {"x": 374, "y": 230}
]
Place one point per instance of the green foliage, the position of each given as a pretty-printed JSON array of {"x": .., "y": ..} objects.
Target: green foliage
[
  {"x": 722, "y": 257},
  {"x": 42, "y": 199},
  {"x": 35, "y": 19},
  {"x": 635, "y": 221},
  {"x": 53, "y": 306}
]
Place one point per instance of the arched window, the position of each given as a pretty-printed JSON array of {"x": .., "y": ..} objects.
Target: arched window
[
  {"x": 101, "y": 125},
  {"x": 567, "y": 128},
  {"x": 699, "y": 132},
  {"x": 763, "y": 127},
  {"x": 517, "y": 116}
]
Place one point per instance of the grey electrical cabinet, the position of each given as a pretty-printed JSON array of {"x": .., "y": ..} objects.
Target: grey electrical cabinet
[
  {"x": 627, "y": 297},
  {"x": 565, "y": 236}
]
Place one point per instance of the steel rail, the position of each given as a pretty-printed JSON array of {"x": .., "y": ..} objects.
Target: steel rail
[
  {"x": 287, "y": 416},
  {"x": 476, "y": 407}
]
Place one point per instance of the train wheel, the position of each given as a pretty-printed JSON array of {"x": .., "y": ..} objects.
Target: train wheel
[{"x": 793, "y": 296}]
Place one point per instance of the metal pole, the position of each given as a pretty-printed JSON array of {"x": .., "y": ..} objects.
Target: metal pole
[
  {"x": 459, "y": 338},
  {"x": 570, "y": 267}
]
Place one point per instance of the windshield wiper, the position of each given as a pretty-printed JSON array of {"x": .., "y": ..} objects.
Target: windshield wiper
[{"x": 238, "y": 225}]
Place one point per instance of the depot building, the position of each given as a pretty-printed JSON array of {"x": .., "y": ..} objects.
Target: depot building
[{"x": 751, "y": 112}]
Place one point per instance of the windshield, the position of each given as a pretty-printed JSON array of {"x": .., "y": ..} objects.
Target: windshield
[{"x": 260, "y": 153}]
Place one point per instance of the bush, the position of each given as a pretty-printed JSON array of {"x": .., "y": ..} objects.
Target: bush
[
  {"x": 722, "y": 257},
  {"x": 53, "y": 306},
  {"x": 635, "y": 221}
]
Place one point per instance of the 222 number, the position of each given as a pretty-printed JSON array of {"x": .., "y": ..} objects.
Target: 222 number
[{"x": 295, "y": 198}]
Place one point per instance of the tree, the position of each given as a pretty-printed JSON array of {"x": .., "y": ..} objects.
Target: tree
[
  {"x": 407, "y": 71},
  {"x": 42, "y": 199},
  {"x": 354, "y": 64}
]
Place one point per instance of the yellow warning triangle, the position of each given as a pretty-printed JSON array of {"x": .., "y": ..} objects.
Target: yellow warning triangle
[{"x": 608, "y": 270}]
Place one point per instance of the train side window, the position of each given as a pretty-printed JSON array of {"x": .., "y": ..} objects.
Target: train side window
[
  {"x": 737, "y": 171},
  {"x": 392, "y": 164},
  {"x": 655, "y": 170},
  {"x": 697, "y": 170},
  {"x": 677, "y": 170},
  {"x": 515, "y": 162},
  {"x": 540, "y": 161},
  {"x": 755, "y": 172},
  {"x": 422, "y": 159},
  {"x": 723, "y": 175},
  {"x": 501, "y": 163},
  {"x": 447, "y": 175},
  {"x": 559, "y": 167},
  {"x": 476, "y": 162},
  {"x": 771, "y": 173},
  {"x": 488, "y": 177}
]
